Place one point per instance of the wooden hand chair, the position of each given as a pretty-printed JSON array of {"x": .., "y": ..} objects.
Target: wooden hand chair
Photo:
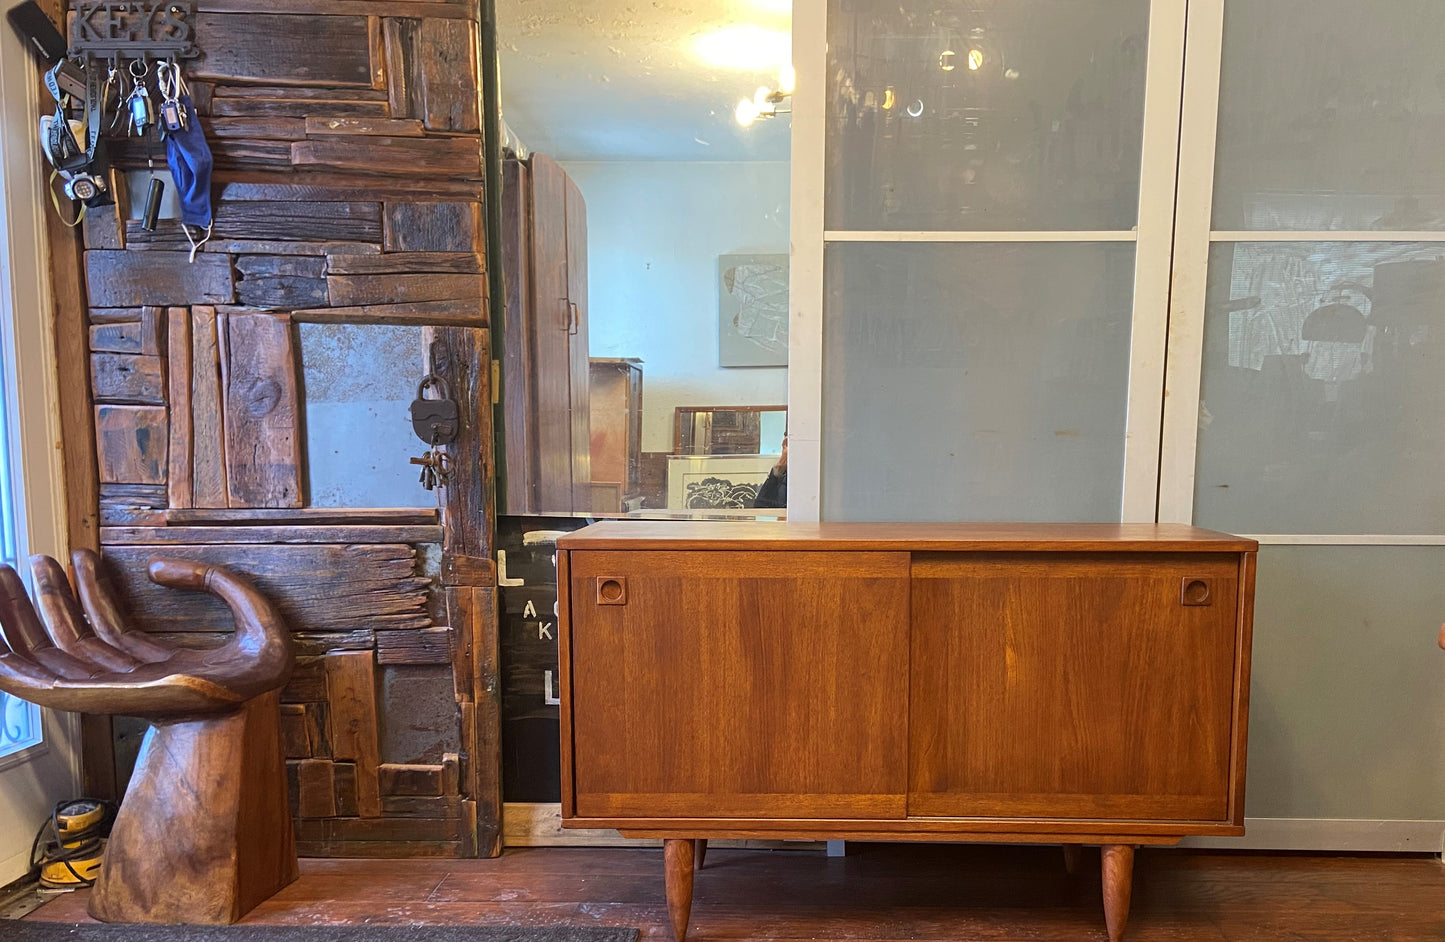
[{"x": 204, "y": 833}]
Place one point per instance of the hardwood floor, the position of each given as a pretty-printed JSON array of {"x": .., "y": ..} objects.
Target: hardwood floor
[{"x": 958, "y": 893}]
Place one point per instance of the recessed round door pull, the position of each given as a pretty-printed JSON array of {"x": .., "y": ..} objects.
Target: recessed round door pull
[
  {"x": 611, "y": 590},
  {"x": 1195, "y": 592}
]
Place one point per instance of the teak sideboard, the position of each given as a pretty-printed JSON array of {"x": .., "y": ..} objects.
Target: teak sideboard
[{"x": 1077, "y": 684}]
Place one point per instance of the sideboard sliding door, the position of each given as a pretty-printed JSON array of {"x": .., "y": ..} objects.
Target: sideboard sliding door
[
  {"x": 744, "y": 684},
  {"x": 1073, "y": 685}
]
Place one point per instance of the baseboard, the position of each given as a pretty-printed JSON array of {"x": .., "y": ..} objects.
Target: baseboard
[
  {"x": 1331, "y": 834},
  {"x": 531, "y": 824}
]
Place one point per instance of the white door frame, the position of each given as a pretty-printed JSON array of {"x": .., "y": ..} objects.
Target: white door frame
[{"x": 31, "y": 780}]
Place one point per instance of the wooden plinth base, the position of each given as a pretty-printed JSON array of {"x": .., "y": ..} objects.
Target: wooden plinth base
[{"x": 204, "y": 833}]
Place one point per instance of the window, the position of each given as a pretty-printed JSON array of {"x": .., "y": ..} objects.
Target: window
[{"x": 19, "y": 721}]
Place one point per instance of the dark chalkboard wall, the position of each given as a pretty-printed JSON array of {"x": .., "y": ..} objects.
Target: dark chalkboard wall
[{"x": 531, "y": 760}]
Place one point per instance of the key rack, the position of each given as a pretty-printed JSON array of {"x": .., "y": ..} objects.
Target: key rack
[{"x": 134, "y": 30}]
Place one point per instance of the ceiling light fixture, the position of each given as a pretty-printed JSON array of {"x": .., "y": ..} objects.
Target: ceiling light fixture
[{"x": 766, "y": 101}]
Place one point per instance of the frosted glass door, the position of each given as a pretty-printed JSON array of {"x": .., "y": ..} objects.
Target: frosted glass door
[
  {"x": 994, "y": 304},
  {"x": 1306, "y": 388}
]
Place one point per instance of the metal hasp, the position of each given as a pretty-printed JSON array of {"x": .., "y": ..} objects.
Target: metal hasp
[{"x": 134, "y": 30}]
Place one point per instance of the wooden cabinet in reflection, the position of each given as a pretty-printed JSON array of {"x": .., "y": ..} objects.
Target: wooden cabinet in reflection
[
  {"x": 545, "y": 372},
  {"x": 616, "y": 404}
]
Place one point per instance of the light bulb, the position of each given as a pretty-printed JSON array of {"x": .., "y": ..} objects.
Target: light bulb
[
  {"x": 945, "y": 60},
  {"x": 889, "y": 100},
  {"x": 975, "y": 59},
  {"x": 746, "y": 112},
  {"x": 787, "y": 79},
  {"x": 760, "y": 97}
]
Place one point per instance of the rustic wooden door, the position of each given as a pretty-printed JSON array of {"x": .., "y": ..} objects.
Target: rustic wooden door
[
  {"x": 551, "y": 320},
  {"x": 714, "y": 684},
  {"x": 212, "y": 419},
  {"x": 1028, "y": 672},
  {"x": 579, "y": 374}
]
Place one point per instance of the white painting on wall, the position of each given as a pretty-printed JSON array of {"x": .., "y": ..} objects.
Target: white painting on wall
[
  {"x": 716, "y": 482},
  {"x": 752, "y": 310}
]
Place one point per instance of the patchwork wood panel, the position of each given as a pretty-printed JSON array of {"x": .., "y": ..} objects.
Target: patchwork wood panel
[{"x": 348, "y": 188}]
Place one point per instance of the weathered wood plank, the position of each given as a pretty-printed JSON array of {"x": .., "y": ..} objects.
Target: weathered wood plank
[
  {"x": 440, "y": 155},
  {"x": 376, "y": 828},
  {"x": 325, "y": 185},
  {"x": 431, "y": 227},
  {"x": 346, "y": 797},
  {"x": 131, "y": 444},
  {"x": 104, "y": 228},
  {"x": 316, "y": 644},
  {"x": 290, "y": 533},
  {"x": 299, "y": 93},
  {"x": 386, "y": 127},
  {"x": 116, "y": 338},
  {"x": 208, "y": 434},
  {"x": 282, "y": 49},
  {"x": 256, "y": 128},
  {"x": 318, "y": 728},
  {"x": 382, "y": 849},
  {"x": 448, "y": 54},
  {"x": 398, "y": 263},
  {"x": 315, "y": 587},
  {"x": 261, "y": 412},
  {"x": 317, "y": 792},
  {"x": 306, "y": 516},
  {"x": 120, "y": 279},
  {"x": 421, "y": 806},
  {"x": 403, "y": 72},
  {"x": 281, "y": 281},
  {"x": 463, "y": 357},
  {"x": 398, "y": 779},
  {"x": 276, "y": 221},
  {"x": 351, "y": 695},
  {"x": 127, "y": 377},
  {"x": 361, "y": 290},
  {"x": 273, "y": 247},
  {"x": 178, "y": 367},
  {"x": 458, "y": 313},
  {"x": 307, "y": 683},
  {"x": 328, "y": 8},
  {"x": 295, "y": 108},
  {"x": 376, "y": 52},
  {"x": 421, "y": 646},
  {"x": 132, "y": 505},
  {"x": 293, "y": 731}
]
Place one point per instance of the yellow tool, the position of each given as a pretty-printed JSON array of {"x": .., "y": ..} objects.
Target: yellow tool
[{"x": 69, "y": 847}]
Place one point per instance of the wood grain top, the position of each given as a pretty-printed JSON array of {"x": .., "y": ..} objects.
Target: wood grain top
[{"x": 916, "y": 537}]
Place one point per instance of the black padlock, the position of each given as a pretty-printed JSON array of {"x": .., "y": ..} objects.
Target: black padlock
[{"x": 435, "y": 420}]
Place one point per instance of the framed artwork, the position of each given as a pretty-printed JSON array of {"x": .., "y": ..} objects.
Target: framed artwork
[
  {"x": 752, "y": 310},
  {"x": 716, "y": 482}
]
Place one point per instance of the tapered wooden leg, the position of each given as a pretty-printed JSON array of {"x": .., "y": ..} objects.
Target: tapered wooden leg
[
  {"x": 1118, "y": 884},
  {"x": 1073, "y": 855},
  {"x": 204, "y": 833},
  {"x": 701, "y": 852},
  {"x": 677, "y": 862}
]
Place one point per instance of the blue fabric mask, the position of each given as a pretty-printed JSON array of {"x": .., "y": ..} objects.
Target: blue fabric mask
[{"x": 190, "y": 159}]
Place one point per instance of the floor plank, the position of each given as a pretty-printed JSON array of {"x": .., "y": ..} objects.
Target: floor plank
[{"x": 880, "y": 893}]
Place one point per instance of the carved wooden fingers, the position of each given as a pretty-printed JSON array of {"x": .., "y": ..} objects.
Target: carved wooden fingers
[{"x": 79, "y": 655}]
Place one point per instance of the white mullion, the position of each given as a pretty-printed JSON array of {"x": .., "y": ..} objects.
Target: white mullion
[
  {"x": 1326, "y": 235},
  {"x": 1204, "y": 44},
  {"x": 993, "y": 235},
  {"x": 1158, "y": 175},
  {"x": 805, "y": 302}
]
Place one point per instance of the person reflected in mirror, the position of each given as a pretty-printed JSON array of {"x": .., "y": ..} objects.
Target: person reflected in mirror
[{"x": 774, "y": 491}]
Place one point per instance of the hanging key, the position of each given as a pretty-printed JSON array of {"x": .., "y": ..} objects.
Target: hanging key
[
  {"x": 142, "y": 109},
  {"x": 171, "y": 86}
]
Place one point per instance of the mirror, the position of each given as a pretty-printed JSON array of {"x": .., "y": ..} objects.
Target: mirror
[{"x": 645, "y": 243}]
